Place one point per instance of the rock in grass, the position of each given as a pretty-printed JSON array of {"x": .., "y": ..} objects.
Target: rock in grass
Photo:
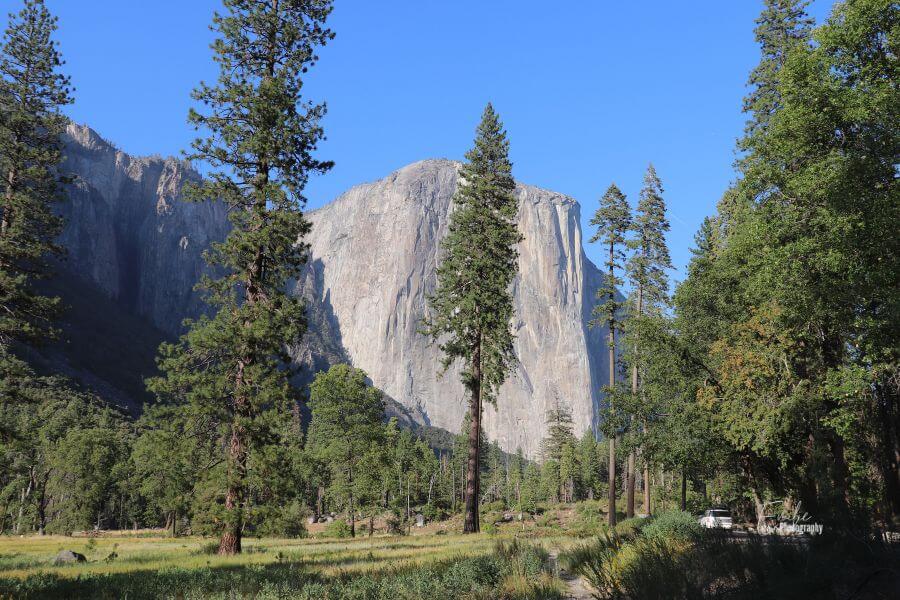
[{"x": 66, "y": 557}]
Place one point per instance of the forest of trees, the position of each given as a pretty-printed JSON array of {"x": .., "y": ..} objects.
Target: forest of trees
[{"x": 770, "y": 374}]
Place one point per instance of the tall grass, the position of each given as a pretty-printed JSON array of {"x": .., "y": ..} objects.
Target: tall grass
[
  {"x": 511, "y": 571},
  {"x": 670, "y": 559}
]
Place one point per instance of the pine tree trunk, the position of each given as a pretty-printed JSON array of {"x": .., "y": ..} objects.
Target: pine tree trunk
[
  {"x": 230, "y": 542},
  {"x": 471, "y": 524},
  {"x": 611, "y": 501},
  {"x": 646, "y": 487},
  {"x": 629, "y": 509},
  {"x": 630, "y": 485}
]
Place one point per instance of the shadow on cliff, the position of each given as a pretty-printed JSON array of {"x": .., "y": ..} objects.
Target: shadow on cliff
[{"x": 322, "y": 347}]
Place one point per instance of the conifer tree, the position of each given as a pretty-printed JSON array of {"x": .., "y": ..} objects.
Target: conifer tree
[
  {"x": 646, "y": 271},
  {"x": 262, "y": 137},
  {"x": 613, "y": 221},
  {"x": 472, "y": 306},
  {"x": 781, "y": 25},
  {"x": 32, "y": 91}
]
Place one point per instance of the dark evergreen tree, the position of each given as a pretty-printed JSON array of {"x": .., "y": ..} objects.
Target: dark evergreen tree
[
  {"x": 32, "y": 91},
  {"x": 613, "y": 221},
  {"x": 262, "y": 138},
  {"x": 472, "y": 306}
]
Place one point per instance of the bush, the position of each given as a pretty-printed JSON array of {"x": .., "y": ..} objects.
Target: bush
[
  {"x": 675, "y": 525},
  {"x": 629, "y": 528},
  {"x": 283, "y": 521},
  {"x": 589, "y": 521},
  {"x": 338, "y": 528}
]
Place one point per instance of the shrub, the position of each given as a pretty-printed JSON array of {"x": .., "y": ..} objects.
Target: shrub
[
  {"x": 338, "y": 528},
  {"x": 589, "y": 520},
  {"x": 630, "y": 528},
  {"x": 675, "y": 525}
]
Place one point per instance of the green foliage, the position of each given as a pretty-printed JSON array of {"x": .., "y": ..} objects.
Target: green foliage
[
  {"x": 65, "y": 465},
  {"x": 471, "y": 309},
  {"x": 472, "y": 306},
  {"x": 338, "y": 528},
  {"x": 346, "y": 434},
  {"x": 613, "y": 221},
  {"x": 32, "y": 92},
  {"x": 674, "y": 525},
  {"x": 233, "y": 369}
]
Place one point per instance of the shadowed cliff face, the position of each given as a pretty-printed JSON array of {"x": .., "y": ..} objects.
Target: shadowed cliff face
[
  {"x": 134, "y": 254},
  {"x": 135, "y": 249},
  {"x": 374, "y": 252},
  {"x": 130, "y": 234}
]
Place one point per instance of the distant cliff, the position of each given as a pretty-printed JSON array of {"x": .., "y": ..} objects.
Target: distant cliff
[{"x": 135, "y": 253}]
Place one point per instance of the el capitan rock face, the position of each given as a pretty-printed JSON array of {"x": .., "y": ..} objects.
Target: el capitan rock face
[
  {"x": 373, "y": 255},
  {"x": 136, "y": 246}
]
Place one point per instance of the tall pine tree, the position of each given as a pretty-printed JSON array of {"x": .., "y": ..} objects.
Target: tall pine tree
[
  {"x": 646, "y": 272},
  {"x": 262, "y": 137},
  {"x": 613, "y": 221},
  {"x": 32, "y": 91},
  {"x": 472, "y": 306}
]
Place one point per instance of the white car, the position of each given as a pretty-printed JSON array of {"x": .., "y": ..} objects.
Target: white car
[{"x": 716, "y": 519}]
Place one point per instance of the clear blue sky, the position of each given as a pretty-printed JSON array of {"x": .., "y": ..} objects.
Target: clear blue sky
[{"x": 590, "y": 90}]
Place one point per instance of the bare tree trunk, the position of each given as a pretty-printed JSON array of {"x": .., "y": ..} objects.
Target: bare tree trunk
[
  {"x": 646, "y": 484},
  {"x": 230, "y": 542},
  {"x": 630, "y": 469},
  {"x": 611, "y": 498},
  {"x": 629, "y": 485},
  {"x": 471, "y": 524},
  {"x": 350, "y": 495},
  {"x": 683, "y": 490}
]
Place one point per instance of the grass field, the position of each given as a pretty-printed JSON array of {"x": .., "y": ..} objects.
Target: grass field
[{"x": 430, "y": 565}]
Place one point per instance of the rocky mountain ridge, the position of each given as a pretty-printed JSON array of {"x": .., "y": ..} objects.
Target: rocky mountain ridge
[{"x": 135, "y": 249}]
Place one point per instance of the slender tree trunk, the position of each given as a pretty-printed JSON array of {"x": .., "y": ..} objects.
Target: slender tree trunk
[
  {"x": 350, "y": 495},
  {"x": 630, "y": 485},
  {"x": 471, "y": 524},
  {"x": 683, "y": 490},
  {"x": 42, "y": 504},
  {"x": 611, "y": 498},
  {"x": 629, "y": 510},
  {"x": 646, "y": 482}
]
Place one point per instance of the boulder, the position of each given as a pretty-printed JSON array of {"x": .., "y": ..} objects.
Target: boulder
[{"x": 66, "y": 557}]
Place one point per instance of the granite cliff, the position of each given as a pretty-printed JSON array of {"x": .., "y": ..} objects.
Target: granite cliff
[
  {"x": 135, "y": 253},
  {"x": 373, "y": 254}
]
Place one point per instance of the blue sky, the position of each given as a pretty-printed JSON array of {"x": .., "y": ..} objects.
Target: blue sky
[{"x": 590, "y": 90}]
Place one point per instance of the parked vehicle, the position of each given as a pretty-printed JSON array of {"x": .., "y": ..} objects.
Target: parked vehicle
[{"x": 716, "y": 518}]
